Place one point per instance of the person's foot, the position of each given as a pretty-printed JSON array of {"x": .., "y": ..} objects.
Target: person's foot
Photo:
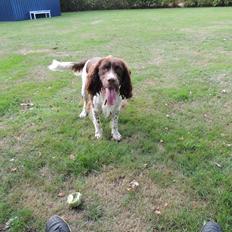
[
  {"x": 211, "y": 227},
  {"x": 57, "y": 224}
]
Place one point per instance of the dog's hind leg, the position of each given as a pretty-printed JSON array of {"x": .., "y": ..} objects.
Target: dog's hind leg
[
  {"x": 84, "y": 111},
  {"x": 84, "y": 94}
]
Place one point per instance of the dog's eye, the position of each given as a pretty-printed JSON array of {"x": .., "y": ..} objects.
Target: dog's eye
[
  {"x": 106, "y": 67},
  {"x": 118, "y": 69}
]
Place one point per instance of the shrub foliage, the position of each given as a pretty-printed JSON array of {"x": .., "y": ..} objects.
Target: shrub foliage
[{"x": 78, "y": 5}]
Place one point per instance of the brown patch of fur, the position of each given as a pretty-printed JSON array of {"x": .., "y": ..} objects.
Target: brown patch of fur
[
  {"x": 77, "y": 67},
  {"x": 94, "y": 84}
]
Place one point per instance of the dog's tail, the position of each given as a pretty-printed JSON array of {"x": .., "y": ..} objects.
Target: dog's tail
[{"x": 59, "y": 66}]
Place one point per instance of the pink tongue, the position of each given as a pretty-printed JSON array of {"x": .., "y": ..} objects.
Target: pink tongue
[{"x": 111, "y": 96}]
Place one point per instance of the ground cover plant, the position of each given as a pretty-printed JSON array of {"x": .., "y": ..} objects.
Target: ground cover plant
[
  {"x": 77, "y": 5},
  {"x": 177, "y": 140}
]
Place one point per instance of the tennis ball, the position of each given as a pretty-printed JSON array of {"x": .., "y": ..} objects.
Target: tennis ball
[{"x": 74, "y": 199}]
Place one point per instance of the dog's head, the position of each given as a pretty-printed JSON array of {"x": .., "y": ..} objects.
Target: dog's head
[{"x": 112, "y": 76}]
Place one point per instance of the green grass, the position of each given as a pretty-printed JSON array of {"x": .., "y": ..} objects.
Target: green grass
[{"x": 176, "y": 130}]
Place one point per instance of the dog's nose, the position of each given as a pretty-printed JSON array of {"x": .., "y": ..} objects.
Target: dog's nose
[{"x": 111, "y": 80}]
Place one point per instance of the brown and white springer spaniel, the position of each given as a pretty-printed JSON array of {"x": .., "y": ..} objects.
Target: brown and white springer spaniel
[{"x": 105, "y": 83}]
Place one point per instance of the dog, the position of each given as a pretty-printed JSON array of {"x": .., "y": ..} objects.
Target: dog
[{"x": 105, "y": 83}]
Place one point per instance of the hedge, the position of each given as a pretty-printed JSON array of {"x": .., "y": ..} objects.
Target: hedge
[{"x": 79, "y": 5}]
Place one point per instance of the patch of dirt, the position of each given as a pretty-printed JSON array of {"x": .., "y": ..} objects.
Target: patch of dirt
[
  {"x": 25, "y": 51},
  {"x": 65, "y": 53},
  {"x": 96, "y": 22},
  {"x": 130, "y": 211},
  {"x": 51, "y": 51},
  {"x": 198, "y": 34},
  {"x": 43, "y": 203},
  {"x": 222, "y": 79},
  {"x": 122, "y": 210},
  {"x": 145, "y": 84},
  {"x": 38, "y": 74}
]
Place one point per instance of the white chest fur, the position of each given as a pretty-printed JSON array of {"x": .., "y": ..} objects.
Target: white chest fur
[{"x": 100, "y": 105}]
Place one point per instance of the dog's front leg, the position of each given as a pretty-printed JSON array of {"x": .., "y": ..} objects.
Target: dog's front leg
[
  {"x": 114, "y": 130},
  {"x": 96, "y": 123}
]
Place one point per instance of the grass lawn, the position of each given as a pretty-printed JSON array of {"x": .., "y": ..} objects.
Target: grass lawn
[{"x": 177, "y": 129}]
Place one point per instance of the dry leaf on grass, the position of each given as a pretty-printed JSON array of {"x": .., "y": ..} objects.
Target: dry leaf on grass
[
  {"x": 133, "y": 185},
  {"x": 223, "y": 91},
  {"x": 157, "y": 211},
  {"x": 72, "y": 157},
  {"x": 14, "y": 169},
  {"x": 61, "y": 194},
  {"x": 27, "y": 105},
  {"x": 218, "y": 165}
]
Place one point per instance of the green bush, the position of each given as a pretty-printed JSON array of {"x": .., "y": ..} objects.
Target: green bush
[{"x": 78, "y": 5}]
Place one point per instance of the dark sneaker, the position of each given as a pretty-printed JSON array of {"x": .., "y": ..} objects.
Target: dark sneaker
[
  {"x": 57, "y": 224},
  {"x": 211, "y": 227}
]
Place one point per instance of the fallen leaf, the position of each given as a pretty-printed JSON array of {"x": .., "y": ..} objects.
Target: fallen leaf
[
  {"x": 72, "y": 157},
  {"x": 133, "y": 185},
  {"x": 61, "y": 194},
  {"x": 14, "y": 169},
  {"x": 145, "y": 165},
  {"x": 218, "y": 165},
  {"x": 27, "y": 104},
  {"x": 157, "y": 211},
  {"x": 223, "y": 91}
]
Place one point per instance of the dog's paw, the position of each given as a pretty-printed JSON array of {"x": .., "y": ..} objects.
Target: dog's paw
[
  {"x": 98, "y": 135},
  {"x": 83, "y": 114},
  {"x": 116, "y": 136}
]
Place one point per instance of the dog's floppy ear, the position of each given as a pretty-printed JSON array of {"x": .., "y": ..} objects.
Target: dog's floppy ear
[
  {"x": 126, "y": 86},
  {"x": 94, "y": 84}
]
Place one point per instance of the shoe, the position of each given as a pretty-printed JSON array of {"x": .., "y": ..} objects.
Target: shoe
[
  {"x": 57, "y": 224},
  {"x": 211, "y": 227}
]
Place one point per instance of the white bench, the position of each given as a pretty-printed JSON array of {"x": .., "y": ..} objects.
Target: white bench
[{"x": 33, "y": 13}]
